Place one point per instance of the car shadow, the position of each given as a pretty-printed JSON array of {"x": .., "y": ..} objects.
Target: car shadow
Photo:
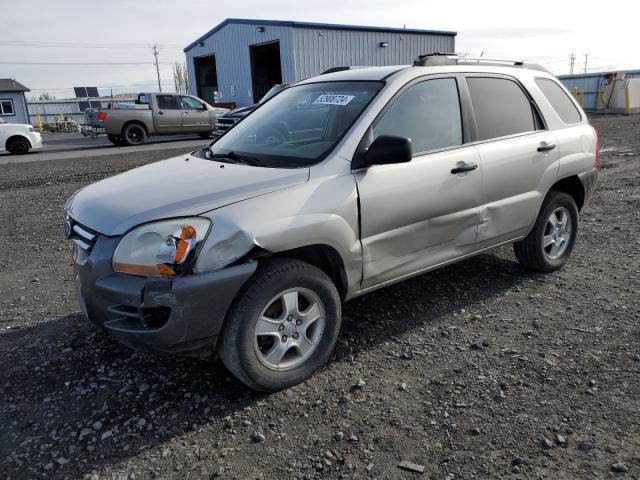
[{"x": 60, "y": 377}]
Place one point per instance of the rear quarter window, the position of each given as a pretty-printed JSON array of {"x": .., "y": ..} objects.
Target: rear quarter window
[{"x": 559, "y": 100}]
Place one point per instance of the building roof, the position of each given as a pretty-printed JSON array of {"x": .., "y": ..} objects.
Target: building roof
[
  {"x": 323, "y": 26},
  {"x": 10, "y": 85}
]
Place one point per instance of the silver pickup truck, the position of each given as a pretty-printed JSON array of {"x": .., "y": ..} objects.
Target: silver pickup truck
[{"x": 152, "y": 114}]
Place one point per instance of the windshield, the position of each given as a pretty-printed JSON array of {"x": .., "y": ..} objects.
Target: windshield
[{"x": 299, "y": 126}]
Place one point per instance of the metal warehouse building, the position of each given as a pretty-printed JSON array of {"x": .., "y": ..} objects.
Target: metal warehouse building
[
  {"x": 586, "y": 86},
  {"x": 239, "y": 60}
]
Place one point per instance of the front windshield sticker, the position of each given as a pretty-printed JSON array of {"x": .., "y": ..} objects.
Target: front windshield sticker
[{"x": 333, "y": 99}]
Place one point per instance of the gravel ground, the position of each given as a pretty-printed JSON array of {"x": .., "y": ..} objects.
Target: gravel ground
[{"x": 478, "y": 370}]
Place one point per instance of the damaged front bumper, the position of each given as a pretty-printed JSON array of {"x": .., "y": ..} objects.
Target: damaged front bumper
[{"x": 181, "y": 315}]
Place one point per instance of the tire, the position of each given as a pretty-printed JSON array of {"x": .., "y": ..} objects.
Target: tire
[
  {"x": 247, "y": 355},
  {"x": 18, "y": 145},
  {"x": 115, "y": 139},
  {"x": 133, "y": 134},
  {"x": 204, "y": 135},
  {"x": 547, "y": 248}
]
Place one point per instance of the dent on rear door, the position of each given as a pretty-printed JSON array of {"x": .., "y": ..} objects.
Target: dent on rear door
[{"x": 515, "y": 179}]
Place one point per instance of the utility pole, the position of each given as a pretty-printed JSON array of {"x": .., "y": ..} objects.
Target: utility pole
[
  {"x": 155, "y": 54},
  {"x": 572, "y": 59},
  {"x": 586, "y": 58}
]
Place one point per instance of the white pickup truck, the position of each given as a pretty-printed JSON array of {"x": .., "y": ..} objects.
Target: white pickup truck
[
  {"x": 152, "y": 114},
  {"x": 18, "y": 138}
]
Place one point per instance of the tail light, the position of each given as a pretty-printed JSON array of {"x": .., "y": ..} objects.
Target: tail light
[
  {"x": 102, "y": 116},
  {"x": 596, "y": 161}
]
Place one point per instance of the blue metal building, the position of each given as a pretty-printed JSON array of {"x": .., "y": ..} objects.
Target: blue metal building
[
  {"x": 591, "y": 84},
  {"x": 13, "y": 104},
  {"x": 239, "y": 60}
]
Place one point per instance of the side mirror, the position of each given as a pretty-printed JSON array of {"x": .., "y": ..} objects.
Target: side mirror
[{"x": 386, "y": 149}]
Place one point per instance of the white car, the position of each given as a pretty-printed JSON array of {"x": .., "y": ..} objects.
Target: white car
[{"x": 18, "y": 138}]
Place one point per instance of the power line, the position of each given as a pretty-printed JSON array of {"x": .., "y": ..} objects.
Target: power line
[
  {"x": 85, "y": 63},
  {"x": 151, "y": 84},
  {"x": 20, "y": 43}
]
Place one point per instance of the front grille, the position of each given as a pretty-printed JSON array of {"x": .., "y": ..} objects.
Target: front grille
[{"x": 82, "y": 236}]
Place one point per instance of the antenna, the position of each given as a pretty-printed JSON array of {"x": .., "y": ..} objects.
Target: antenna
[{"x": 155, "y": 54}]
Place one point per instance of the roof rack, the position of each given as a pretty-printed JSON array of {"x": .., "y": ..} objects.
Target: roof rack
[
  {"x": 439, "y": 58},
  {"x": 344, "y": 68}
]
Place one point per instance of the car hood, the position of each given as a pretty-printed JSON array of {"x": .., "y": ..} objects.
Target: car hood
[
  {"x": 181, "y": 186},
  {"x": 16, "y": 126},
  {"x": 240, "y": 112}
]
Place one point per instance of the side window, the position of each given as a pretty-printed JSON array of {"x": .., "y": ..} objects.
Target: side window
[
  {"x": 559, "y": 100},
  {"x": 167, "y": 102},
  {"x": 189, "y": 103},
  {"x": 428, "y": 113},
  {"x": 501, "y": 107}
]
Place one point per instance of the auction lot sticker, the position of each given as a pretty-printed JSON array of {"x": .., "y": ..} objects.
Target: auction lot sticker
[{"x": 333, "y": 99}]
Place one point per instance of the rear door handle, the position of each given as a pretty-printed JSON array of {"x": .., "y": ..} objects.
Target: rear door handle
[
  {"x": 545, "y": 147},
  {"x": 464, "y": 168}
]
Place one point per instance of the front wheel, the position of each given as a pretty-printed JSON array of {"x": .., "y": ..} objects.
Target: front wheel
[
  {"x": 548, "y": 246},
  {"x": 283, "y": 326},
  {"x": 18, "y": 145},
  {"x": 204, "y": 135}
]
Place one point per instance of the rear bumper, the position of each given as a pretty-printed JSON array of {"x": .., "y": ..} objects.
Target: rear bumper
[
  {"x": 181, "y": 315},
  {"x": 589, "y": 180},
  {"x": 92, "y": 131}
]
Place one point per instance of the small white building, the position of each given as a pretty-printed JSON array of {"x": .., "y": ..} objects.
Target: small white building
[{"x": 13, "y": 103}]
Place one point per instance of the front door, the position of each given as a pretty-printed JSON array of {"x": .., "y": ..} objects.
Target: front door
[
  {"x": 195, "y": 115},
  {"x": 419, "y": 214},
  {"x": 168, "y": 118}
]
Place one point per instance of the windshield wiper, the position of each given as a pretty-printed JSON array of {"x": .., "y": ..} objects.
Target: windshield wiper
[{"x": 237, "y": 158}]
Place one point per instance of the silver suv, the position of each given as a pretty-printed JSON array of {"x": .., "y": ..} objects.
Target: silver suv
[{"x": 339, "y": 185}]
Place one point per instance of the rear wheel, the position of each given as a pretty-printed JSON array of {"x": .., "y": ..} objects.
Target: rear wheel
[
  {"x": 283, "y": 326},
  {"x": 133, "y": 134},
  {"x": 549, "y": 245},
  {"x": 115, "y": 139},
  {"x": 18, "y": 145}
]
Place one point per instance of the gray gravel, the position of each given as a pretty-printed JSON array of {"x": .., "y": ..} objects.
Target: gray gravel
[{"x": 462, "y": 371}]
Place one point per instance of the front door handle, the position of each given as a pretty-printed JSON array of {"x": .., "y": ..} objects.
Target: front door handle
[
  {"x": 160, "y": 113},
  {"x": 545, "y": 147},
  {"x": 464, "y": 168}
]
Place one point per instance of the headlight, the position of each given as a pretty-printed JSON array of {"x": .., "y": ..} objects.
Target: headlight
[{"x": 160, "y": 249}]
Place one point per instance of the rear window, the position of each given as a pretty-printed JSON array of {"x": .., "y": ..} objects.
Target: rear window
[
  {"x": 501, "y": 107},
  {"x": 559, "y": 100},
  {"x": 167, "y": 102}
]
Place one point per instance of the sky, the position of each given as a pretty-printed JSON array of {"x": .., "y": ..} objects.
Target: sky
[{"x": 545, "y": 31}]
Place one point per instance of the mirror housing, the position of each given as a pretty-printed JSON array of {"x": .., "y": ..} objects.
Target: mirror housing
[{"x": 385, "y": 150}]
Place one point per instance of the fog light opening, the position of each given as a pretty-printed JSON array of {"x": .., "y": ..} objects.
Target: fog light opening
[{"x": 155, "y": 317}]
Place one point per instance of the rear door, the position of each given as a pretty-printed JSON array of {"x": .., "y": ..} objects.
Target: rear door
[
  {"x": 195, "y": 115},
  {"x": 419, "y": 214},
  {"x": 168, "y": 115},
  {"x": 519, "y": 156}
]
